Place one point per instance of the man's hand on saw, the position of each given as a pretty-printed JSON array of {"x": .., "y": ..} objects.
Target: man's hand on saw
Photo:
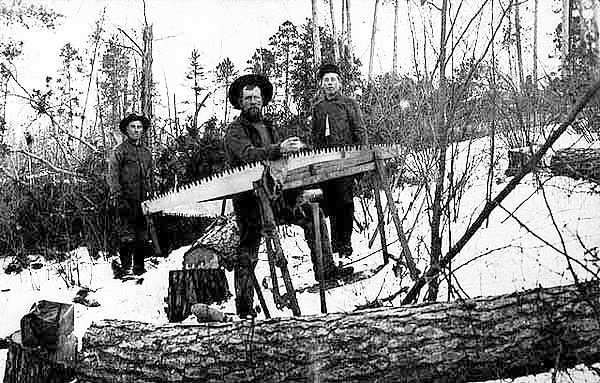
[{"x": 291, "y": 145}]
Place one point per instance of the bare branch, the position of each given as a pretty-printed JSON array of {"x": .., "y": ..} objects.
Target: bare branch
[
  {"x": 491, "y": 205},
  {"x": 139, "y": 49},
  {"x": 49, "y": 164}
]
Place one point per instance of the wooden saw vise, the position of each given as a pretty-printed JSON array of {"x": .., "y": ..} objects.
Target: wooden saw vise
[{"x": 296, "y": 171}]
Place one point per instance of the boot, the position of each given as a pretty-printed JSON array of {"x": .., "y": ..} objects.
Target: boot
[
  {"x": 125, "y": 252},
  {"x": 244, "y": 308},
  {"x": 337, "y": 272}
]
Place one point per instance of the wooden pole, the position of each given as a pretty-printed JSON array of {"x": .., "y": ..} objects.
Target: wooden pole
[
  {"x": 384, "y": 184},
  {"x": 381, "y": 225},
  {"x": 261, "y": 297},
  {"x": 270, "y": 233},
  {"x": 153, "y": 235},
  {"x": 316, "y": 211}
]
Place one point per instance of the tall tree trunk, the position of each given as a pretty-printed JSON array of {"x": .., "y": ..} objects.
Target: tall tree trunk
[
  {"x": 316, "y": 35},
  {"x": 372, "y": 53},
  {"x": 535, "y": 45},
  {"x": 492, "y": 122},
  {"x": 566, "y": 34},
  {"x": 146, "y": 79},
  {"x": 476, "y": 340},
  {"x": 348, "y": 21},
  {"x": 395, "y": 59},
  {"x": 442, "y": 143},
  {"x": 336, "y": 42},
  {"x": 519, "y": 49},
  {"x": 597, "y": 23},
  {"x": 343, "y": 31}
]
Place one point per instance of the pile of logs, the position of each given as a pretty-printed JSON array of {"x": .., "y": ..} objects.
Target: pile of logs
[{"x": 577, "y": 163}]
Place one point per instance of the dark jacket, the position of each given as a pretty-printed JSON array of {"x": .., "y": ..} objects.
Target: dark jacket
[
  {"x": 243, "y": 144},
  {"x": 130, "y": 172},
  {"x": 346, "y": 125}
]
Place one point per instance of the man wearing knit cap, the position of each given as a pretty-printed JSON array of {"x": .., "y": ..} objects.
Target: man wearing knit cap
[
  {"x": 252, "y": 137},
  {"x": 337, "y": 121}
]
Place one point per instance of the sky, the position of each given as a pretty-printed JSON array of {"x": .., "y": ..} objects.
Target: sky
[{"x": 236, "y": 28}]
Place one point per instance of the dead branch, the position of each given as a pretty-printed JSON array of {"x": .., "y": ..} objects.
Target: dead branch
[{"x": 491, "y": 205}]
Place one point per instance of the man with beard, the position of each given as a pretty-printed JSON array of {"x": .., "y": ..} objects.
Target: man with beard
[
  {"x": 250, "y": 138},
  {"x": 337, "y": 121}
]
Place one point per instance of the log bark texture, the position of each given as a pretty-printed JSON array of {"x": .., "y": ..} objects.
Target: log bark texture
[
  {"x": 481, "y": 339},
  {"x": 577, "y": 163},
  {"x": 38, "y": 364},
  {"x": 188, "y": 287}
]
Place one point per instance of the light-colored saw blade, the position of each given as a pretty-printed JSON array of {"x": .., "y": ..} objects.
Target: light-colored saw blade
[
  {"x": 220, "y": 186},
  {"x": 203, "y": 197}
]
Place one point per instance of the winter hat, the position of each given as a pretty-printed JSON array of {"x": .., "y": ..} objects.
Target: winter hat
[
  {"x": 266, "y": 88},
  {"x": 327, "y": 68},
  {"x": 133, "y": 117}
]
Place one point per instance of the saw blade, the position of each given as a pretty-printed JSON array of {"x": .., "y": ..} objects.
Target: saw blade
[{"x": 204, "y": 196}]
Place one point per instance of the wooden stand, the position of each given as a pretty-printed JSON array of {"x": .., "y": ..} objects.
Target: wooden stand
[
  {"x": 383, "y": 184},
  {"x": 316, "y": 211},
  {"x": 37, "y": 364},
  {"x": 275, "y": 252}
]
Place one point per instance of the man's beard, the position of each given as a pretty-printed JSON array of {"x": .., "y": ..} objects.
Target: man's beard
[{"x": 253, "y": 113}]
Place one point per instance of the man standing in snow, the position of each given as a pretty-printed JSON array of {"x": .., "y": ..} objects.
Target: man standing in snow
[
  {"x": 250, "y": 138},
  {"x": 337, "y": 121},
  {"x": 130, "y": 183}
]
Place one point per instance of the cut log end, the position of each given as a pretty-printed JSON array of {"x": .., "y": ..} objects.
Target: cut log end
[{"x": 37, "y": 364}]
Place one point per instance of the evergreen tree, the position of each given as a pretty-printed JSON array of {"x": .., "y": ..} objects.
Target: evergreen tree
[{"x": 225, "y": 73}]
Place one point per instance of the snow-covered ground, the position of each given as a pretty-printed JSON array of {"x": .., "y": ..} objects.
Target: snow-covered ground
[{"x": 503, "y": 256}]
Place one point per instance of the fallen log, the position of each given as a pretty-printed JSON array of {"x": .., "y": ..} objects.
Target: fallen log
[
  {"x": 476, "y": 340},
  {"x": 577, "y": 163}
]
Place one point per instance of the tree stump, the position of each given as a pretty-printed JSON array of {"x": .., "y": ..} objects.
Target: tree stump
[
  {"x": 517, "y": 158},
  {"x": 203, "y": 279},
  {"x": 191, "y": 286},
  {"x": 38, "y": 364},
  {"x": 577, "y": 163}
]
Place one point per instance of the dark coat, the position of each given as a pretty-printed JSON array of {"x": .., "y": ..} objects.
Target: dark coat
[
  {"x": 243, "y": 144},
  {"x": 346, "y": 125},
  {"x": 130, "y": 183}
]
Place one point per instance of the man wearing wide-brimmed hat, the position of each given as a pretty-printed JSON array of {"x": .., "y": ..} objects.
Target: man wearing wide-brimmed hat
[
  {"x": 337, "y": 121},
  {"x": 250, "y": 138},
  {"x": 130, "y": 183}
]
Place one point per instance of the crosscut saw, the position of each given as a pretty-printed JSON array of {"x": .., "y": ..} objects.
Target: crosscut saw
[{"x": 302, "y": 169}]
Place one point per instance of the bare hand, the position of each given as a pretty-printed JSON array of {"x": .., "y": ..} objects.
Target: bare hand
[{"x": 291, "y": 145}]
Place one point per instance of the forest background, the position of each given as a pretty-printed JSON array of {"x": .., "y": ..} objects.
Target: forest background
[{"x": 460, "y": 70}]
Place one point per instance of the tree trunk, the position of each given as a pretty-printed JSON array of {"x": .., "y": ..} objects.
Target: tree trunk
[
  {"x": 349, "y": 25},
  {"x": 395, "y": 57},
  {"x": 535, "y": 45},
  {"x": 191, "y": 286},
  {"x": 566, "y": 34},
  {"x": 519, "y": 49},
  {"x": 37, "y": 364},
  {"x": 146, "y": 96},
  {"x": 476, "y": 340},
  {"x": 442, "y": 142},
  {"x": 343, "y": 31},
  {"x": 336, "y": 43},
  {"x": 316, "y": 35},
  {"x": 372, "y": 53}
]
